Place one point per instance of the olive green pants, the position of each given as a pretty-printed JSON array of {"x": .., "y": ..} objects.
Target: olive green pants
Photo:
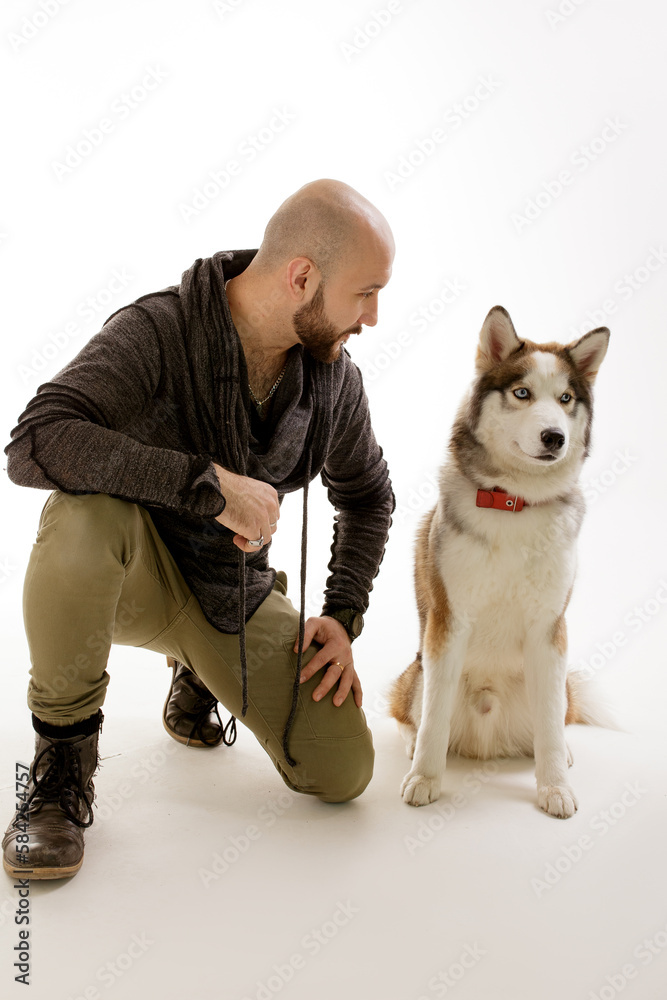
[{"x": 99, "y": 573}]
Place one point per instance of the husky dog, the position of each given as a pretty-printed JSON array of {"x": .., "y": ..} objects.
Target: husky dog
[{"x": 495, "y": 563}]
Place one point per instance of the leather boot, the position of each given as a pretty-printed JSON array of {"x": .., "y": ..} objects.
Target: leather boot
[
  {"x": 58, "y": 806},
  {"x": 190, "y": 713}
]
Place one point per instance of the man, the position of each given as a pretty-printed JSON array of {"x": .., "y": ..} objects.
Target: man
[{"x": 169, "y": 442}]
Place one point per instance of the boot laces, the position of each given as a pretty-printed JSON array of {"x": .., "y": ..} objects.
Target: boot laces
[
  {"x": 61, "y": 782},
  {"x": 197, "y": 733},
  {"x": 207, "y": 703}
]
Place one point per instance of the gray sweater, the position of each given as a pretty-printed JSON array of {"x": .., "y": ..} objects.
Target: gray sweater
[{"x": 138, "y": 414}]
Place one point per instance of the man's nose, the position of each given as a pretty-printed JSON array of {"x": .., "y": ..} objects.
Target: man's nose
[{"x": 369, "y": 317}]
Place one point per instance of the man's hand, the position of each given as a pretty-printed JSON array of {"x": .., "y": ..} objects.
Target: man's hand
[
  {"x": 251, "y": 509},
  {"x": 337, "y": 651}
]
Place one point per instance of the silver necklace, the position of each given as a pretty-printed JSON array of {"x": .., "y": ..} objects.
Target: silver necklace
[{"x": 259, "y": 403}]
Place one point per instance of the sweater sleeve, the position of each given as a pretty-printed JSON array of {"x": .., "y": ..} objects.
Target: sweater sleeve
[
  {"x": 357, "y": 479},
  {"x": 70, "y": 436}
]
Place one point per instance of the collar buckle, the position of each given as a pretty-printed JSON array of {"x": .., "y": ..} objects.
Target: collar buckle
[{"x": 499, "y": 499}]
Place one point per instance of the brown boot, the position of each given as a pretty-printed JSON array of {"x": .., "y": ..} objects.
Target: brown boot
[
  {"x": 190, "y": 713},
  {"x": 58, "y": 806}
]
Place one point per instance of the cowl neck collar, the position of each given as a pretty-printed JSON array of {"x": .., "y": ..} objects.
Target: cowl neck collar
[{"x": 299, "y": 431}]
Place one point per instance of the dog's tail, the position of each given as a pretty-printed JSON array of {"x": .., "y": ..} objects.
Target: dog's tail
[
  {"x": 587, "y": 703},
  {"x": 401, "y": 692}
]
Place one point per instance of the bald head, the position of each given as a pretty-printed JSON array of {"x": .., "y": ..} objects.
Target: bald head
[{"x": 326, "y": 221}]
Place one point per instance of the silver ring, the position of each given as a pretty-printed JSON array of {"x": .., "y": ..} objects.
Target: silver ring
[
  {"x": 273, "y": 524},
  {"x": 258, "y": 543}
]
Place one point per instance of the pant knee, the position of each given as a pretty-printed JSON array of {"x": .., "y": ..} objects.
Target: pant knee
[{"x": 335, "y": 771}]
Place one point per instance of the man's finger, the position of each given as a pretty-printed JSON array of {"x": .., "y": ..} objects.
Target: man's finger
[
  {"x": 334, "y": 674},
  {"x": 344, "y": 685},
  {"x": 321, "y": 659},
  {"x": 244, "y": 544},
  {"x": 310, "y": 629}
]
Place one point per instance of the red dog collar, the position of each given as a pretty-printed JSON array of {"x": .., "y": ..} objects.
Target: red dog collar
[{"x": 499, "y": 499}]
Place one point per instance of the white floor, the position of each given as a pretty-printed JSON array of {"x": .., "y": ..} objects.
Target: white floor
[{"x": 204, "y": 877}]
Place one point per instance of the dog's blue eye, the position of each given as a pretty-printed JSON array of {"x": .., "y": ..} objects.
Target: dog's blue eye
[
  {"x": 521, "y": 393},
  {"x": 565, "y": 398}
]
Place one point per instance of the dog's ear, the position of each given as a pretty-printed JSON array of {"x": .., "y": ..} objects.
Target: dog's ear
[
  {"x": 497, "y": 339},
  {"x": 588, "y": 352}
]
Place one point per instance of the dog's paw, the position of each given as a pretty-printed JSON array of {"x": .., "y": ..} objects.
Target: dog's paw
[
  {"x": 557, "y": 800},
  {"x": 418, "y": 790}
]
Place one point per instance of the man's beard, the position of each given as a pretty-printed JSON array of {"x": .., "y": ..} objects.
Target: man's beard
[{"x": 315, "y": 332}]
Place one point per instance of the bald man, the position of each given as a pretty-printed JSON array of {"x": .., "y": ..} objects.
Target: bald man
[{"x": 168, "y": 444}]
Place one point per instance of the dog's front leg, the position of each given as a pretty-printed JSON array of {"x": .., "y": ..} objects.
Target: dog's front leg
[
  {"x": 545, "y": 668},
  {"x": 442, "y": 664}
]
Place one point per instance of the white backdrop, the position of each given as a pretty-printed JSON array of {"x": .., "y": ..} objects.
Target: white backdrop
[{"x": 518, "y": 152}]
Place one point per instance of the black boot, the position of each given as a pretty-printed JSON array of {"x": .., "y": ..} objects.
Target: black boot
[
  {"x": 58, "y": 805},
  {"x": 190, "y": 713}
]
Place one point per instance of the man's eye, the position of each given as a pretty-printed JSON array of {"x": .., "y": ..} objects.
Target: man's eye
[
  {"x": 522, "y": 393},
  {"x": 366, "y": 295}
]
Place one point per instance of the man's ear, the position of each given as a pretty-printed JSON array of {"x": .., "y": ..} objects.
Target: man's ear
[
  {"x": 497, "y": 339},
  {"x": 302, "y": 275}
]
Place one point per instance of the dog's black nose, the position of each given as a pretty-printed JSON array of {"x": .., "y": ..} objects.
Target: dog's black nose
[{"x": 553, "y": 438}]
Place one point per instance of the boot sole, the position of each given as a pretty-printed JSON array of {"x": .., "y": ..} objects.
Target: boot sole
[
  {"x": 42, "y": 873},
  {"x": 183, "y": 740}
]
